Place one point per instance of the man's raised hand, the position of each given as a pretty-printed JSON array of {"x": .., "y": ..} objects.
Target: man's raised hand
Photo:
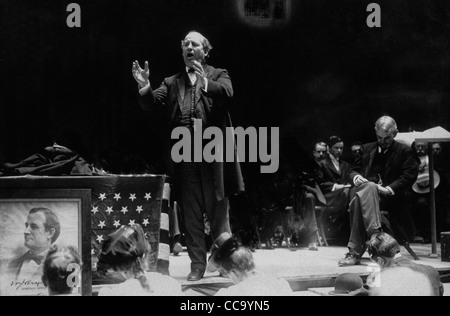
[
  {"x": 198, "y": 69},
  {"x": 141, "y": 75}
]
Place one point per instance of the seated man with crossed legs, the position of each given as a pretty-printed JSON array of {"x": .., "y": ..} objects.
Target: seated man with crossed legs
[{"x": 381, "y": 177}]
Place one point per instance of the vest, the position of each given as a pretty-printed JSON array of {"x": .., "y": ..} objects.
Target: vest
[
  {"x": 187, "y": 114},
  {"x": 376, "y": 173}
]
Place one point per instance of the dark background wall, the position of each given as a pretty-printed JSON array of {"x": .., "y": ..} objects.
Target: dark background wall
[{"x": 318, "y": 72}]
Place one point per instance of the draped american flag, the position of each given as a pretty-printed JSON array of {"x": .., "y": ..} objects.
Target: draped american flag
[{"x": 126, "y": 202}]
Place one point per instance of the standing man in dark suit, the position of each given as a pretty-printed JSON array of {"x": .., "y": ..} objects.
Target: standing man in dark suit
[
  {"x": 197, "y": 96},
  {"x": 382, "y": 176}
]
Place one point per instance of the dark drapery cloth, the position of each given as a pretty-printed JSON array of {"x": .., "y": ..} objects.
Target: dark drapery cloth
[{"x": 59, "y": 161}]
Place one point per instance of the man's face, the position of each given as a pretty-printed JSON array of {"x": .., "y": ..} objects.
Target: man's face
[
  {"x": 356, "y": 151},
  {"x": 437, "y": 149},
  {"x": 193, "y": 49},
  {"x": 36, "y": 238},
  {"x": 320, "y": 152},
  {"x": 337, "y": 150},
  {"x": 421, "y": 149},
  {"x": 385, "y": 139}
]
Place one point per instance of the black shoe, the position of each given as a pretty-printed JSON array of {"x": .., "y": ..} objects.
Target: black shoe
[
  {"x": 196, "y": 274},
  {"x": 351, "y": 259}
]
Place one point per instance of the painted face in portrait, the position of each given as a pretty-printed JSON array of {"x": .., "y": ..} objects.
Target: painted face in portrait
[
  {"x": 36, "y": 237},
  {"x": 193, "y": 49}
]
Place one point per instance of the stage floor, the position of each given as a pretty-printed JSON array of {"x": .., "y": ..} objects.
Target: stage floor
[{"x": 304, "y": 269}]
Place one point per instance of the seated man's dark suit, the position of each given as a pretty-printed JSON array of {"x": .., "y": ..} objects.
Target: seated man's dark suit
[
  {"x": 329, "y": 177},
  {"x": 396, "y": 168},
  {"x": 335, "y": 216}
]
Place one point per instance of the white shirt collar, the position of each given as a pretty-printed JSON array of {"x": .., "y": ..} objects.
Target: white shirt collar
[
  {"x": 333, "y": 158},
  {"x": 192, "y": 76},
  {"x": 335, "y": 162}
]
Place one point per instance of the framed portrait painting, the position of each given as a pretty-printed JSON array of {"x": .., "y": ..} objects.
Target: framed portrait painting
[{"x": 31, "y": 223}]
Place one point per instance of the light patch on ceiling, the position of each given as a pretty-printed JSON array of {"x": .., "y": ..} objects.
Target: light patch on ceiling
[{"x": 264, "y": 13}]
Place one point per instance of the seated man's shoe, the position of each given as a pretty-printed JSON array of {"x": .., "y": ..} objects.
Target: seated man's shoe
[
  {"x": 196, "y": 274},
  {"x": 351, "y": 259},
  {"x": 177, "y": 248}
]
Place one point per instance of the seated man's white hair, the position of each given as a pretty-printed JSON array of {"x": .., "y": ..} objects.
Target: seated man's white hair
[{"x": 387, "y": 124}]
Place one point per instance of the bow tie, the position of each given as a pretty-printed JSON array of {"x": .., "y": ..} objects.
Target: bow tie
[
  {"x": 191, "y": 70},
  {"x": 35, "y": 258}
]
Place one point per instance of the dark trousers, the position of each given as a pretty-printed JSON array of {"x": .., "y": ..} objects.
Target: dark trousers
[
  {"x": 196, "y": 193},
  {"x": 365, "y": 216}
]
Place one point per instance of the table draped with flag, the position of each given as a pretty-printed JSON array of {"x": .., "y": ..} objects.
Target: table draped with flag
[{"x": 115, "y": 201}]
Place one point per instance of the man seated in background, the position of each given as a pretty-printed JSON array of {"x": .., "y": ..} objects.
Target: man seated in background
[
  {"x": 320, "y": 151},
  {"x": 386, "y": 170},
  {"x": 419, "y": 197},
  {"x": 356, "y": 151},
  {"x": 334, "y": 183}
]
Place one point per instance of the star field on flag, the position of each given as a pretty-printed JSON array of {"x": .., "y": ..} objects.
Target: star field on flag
[
  {"x": 109, "y": 210},
  {"x": 126, "y": 202},
  {"x": 95, "y": 210}
]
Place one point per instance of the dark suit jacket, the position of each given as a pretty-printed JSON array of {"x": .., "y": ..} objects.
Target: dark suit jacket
[
  {"x": 211, "y": 107},
  {"x": 401, "y": 169},
  {"x": 329, "y": 175}
]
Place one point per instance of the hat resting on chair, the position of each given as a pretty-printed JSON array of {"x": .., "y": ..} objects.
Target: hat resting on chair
[{"x": 422, "y": 185}]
